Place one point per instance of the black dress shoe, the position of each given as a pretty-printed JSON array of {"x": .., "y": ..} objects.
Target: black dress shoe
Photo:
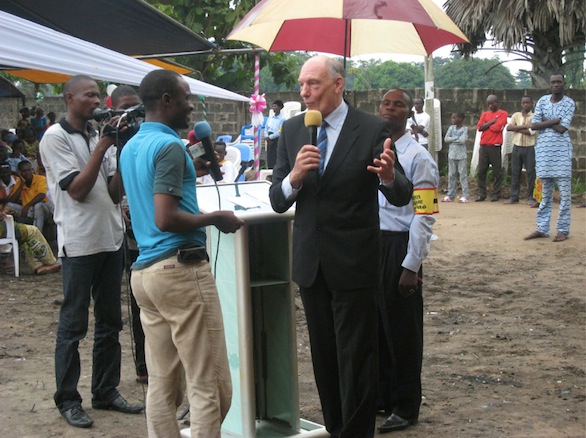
[
  {"x": 394, "y": 422},
  {"x": 495, "y": 198},
  {"x": 77, "y": 417},
  {"x": 120, "y": 405},
  {"x": 480, "y": 198}
]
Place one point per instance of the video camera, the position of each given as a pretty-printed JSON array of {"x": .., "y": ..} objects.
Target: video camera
[{"x": 134, "y": 117}]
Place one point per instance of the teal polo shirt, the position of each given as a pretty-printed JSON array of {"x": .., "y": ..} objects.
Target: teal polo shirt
[{"x": 155, "y": 161}]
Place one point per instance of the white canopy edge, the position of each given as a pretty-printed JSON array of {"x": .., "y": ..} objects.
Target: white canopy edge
[{"x": 24, "y": 44}]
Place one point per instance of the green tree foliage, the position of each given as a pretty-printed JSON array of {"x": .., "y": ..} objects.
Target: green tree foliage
[
  {"x": 291, "y": 67},
  {"x": 368, "y": 75},
  {"x": 454, "y": 72},
  {"x": 551, "y": 34},
  {"x": 474, "y": 73},
  {"x": 30, "y": 89},
  {"x": 523, "y": 79},
  {"x": 215, "y": 19}
]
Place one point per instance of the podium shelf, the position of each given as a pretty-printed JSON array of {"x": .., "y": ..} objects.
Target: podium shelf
[{"x": 268, "y": 282}]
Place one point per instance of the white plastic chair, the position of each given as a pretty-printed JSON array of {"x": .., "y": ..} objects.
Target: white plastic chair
[
  {"x": 291, "y": 108},
  {"x": 265, "y": 174},
  {"x": 233, "y": 155},
  {"x": 10, "y": 239}
]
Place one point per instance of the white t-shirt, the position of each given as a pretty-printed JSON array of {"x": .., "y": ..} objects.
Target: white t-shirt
[
  {"x": 228, "y": 173},
  {"x": 94, "y": 225},
  {"x": 424, "y": 120}
]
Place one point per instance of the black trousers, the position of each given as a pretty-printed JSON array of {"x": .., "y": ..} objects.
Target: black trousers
[
  {"x": 137, "y": 331},
  {"x": 272, "y": 152},
  {"x": 343, "y": 334},
  {"x": 400, "y": 334},
  {"x": 522, "y": 156},
  {"x": 490, "y": 155}
]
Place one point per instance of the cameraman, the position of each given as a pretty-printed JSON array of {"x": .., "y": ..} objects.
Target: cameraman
[
  {"x": 124, "y": 97},
  {"x": 171, "y": 279},
  {"x": 85, "y": 186}
]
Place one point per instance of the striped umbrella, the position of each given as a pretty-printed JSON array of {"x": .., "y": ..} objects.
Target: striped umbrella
[{"x": 348, "y": 27}]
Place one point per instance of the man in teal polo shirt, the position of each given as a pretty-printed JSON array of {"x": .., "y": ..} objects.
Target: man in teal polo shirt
[{"x": 171, "y": 279}]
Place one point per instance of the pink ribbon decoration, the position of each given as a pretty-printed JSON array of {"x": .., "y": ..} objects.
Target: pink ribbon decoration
[{"x": 258, "y": 104}]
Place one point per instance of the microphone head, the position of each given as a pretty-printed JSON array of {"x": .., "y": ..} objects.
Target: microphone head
[
  {"x": 313, "y": 118},
  {"x": 202, "y": 130}
]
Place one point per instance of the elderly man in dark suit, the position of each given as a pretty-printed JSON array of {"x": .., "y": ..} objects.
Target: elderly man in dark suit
[{"x": 336, "y": 239}]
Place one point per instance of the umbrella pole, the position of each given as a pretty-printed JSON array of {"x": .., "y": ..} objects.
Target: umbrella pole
[{"x": 345, "y": 41}]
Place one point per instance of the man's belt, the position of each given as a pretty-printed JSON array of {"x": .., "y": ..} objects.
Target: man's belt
[{"x": 393, "y": 233}]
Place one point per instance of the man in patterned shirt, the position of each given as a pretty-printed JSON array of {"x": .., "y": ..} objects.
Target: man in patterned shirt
[{"x": 553, "y": 157}]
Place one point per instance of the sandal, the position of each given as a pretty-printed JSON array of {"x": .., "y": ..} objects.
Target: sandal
[
  {"x": 535, "y": 235},
  {"x": 560, "y": 237},
  {"x": 447, "y": 199},
  {"x": 48, "y": 269}
]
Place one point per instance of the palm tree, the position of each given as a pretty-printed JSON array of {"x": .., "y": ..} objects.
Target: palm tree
[{"x": 551, "y": 34}]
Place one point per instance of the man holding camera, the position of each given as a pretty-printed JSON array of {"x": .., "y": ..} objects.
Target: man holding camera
[
  {"x": 84, "y": 184},
  {"x": 171, "y": 279}
]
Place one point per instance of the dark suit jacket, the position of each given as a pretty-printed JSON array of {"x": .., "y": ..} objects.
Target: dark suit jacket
[{"x": 336, "y": 218}]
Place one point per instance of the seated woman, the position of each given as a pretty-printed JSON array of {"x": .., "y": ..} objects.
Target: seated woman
[{"x": 33, "y": 247}]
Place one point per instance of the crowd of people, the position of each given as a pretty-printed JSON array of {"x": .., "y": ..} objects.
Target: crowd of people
[
  {"x": 365, "y": 192},
  {"x": 541, "y": 146},
  {"x": 24, "y": 194}
]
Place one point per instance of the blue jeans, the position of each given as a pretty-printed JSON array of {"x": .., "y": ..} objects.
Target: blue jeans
[
  {"x": 565, "y": 210},
  {"x": 96, "y": 276}
]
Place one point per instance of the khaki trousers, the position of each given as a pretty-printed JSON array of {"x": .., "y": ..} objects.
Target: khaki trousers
[{"x": 184, "y": 330}]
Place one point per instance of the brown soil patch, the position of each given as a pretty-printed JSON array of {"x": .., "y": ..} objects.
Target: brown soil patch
[{"x": 504, "y": 338}]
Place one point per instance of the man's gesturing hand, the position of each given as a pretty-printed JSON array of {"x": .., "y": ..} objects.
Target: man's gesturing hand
[{"x": 385, "y": 165}]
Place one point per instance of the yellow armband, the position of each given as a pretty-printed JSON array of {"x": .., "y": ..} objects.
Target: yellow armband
[{"x": 425, "y": 201}]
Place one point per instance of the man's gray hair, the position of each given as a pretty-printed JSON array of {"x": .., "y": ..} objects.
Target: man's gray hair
[{"x": 335, "y": 68}]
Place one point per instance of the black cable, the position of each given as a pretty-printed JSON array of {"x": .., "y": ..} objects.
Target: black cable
[
  {"x": 215, "y": 264},
  {"x": 125, "y": 253}
]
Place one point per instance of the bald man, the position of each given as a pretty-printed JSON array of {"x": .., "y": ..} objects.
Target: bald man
[{"x": 336, "y": 239}]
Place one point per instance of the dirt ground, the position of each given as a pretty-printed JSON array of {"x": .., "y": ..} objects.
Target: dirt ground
[{"x": 505, "y": 338}]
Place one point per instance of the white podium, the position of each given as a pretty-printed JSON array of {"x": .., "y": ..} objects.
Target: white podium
[{"x": 252, "y": 268}]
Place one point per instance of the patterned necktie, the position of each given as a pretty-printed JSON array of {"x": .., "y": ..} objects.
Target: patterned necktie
[{"x": 322, "y": 144}]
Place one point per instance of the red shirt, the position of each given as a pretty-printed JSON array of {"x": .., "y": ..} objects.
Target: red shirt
[{"x": 494, "y": 134}]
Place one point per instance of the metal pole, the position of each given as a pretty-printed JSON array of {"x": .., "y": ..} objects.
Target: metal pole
[{"x": 433, "y": 139}]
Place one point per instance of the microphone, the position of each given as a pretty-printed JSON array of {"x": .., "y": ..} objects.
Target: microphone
[
  {"x": 244, "y": 165},
  {"x": 106, "y": 113},
  {"x": 313, "y": 120},
  {"x": 203, "y": 131}
]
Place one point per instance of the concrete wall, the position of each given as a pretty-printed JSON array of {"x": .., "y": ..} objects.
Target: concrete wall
[{"x": 226, "y": 117}]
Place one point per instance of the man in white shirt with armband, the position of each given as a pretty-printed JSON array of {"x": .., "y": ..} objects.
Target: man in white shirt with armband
[{"x": 406, "y": 233}]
